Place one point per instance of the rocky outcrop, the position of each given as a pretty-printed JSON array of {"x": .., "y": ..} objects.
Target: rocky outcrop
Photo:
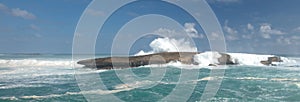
[
  {"x": 157, "y": 58},
  {"x": 271, "y": 60}
]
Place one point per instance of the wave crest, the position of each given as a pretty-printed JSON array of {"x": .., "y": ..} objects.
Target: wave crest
[{"x": 36, "y": 63}]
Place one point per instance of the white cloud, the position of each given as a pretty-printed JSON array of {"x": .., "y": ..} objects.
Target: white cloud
[
  {"x": 231, "y": 33},
  {"x": 283, "y": 40},
  {"x": 94, "y": 12},
  {"x": 214, "y": 36},
  {"x": 166, "y": 31},
  {"x": 230, "y": 30},
  {"x": 297, "y": 29},
  {"x": 196, "y": 35},
  {"x": 250, "y": 26},
  {"x": 232, "y": 37},
  {"x": 266, "y": 31},
  {"x": 249, "y": 31},
  {"x": 189, "y": 29},
  {"x": 17, "y": 12},
  {"x": 3, "y": 7},
  {"x": 198, "y": 14},
  {"x": 248, "y": 36},
  {"x": 22, "y": 13},
  {"x": 288, "y": 40},
  {"x": 36, "y": 30},
  {"x": 266, "y": 36},
  {"x": 296, "y": 37},
  {"x": 295, "y": 40}
]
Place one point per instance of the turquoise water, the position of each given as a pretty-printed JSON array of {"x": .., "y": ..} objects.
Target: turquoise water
[{"x": 40, "y": 80}]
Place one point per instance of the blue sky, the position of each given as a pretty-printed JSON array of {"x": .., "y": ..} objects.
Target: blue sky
[{"x": 253, "y": 26}]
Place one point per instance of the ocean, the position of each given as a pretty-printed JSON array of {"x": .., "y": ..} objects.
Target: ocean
[{"x": 54, "y": 77}]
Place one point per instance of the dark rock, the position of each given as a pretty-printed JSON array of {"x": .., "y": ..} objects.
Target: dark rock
[
  {"x": 265, "y": 62},
  {"x": 157, "y": 58},
  {"x": 212, "y": 65},
  {"x": 225, "y": 59},
  {"x": 274, "y": 59},
  {"x": 270, "y": 60}
]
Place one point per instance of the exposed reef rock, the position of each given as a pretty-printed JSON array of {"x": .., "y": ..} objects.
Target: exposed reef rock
[
  {"x": 157, "y": 58},
  {"x": 271, "y": 60}
]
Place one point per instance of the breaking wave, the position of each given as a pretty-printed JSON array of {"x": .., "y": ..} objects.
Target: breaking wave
[
  {"x": 169, "y": 45},
  {"x": 254, "y": 59},
  {"x": 35, "y": 63},
  {"x": 211, "y": 57}
]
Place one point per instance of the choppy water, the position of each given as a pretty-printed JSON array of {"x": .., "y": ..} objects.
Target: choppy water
[{"x": 52, "y": 78}]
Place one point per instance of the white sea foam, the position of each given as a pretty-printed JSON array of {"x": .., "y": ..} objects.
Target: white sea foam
[
  {"x": 297, "y": 84},
  {"x": 248, "y": 59},
  {"x": 210, "y": 57},
  {"x": 255, "y": 59},
  {"x": 97, "y": 92},
  {"x": 250, "y": 78},
  {"x": 13, "y": 98},
  {"x": 284, "y": 79},
  {"x": 133, "y": 85},
  {"x": 289, "y": 62},
  {"x": 29, "y": 68},
  {"x": 19, "y": 86},
  {"x": 17, "y": 70},
  {"x": 32, "y": 72},
  {"x": 36, "y": 63},
  {"x": 180, "y": 65},
  {"x": 206, "y": 58},
  {"x": 169, "y": 45}
]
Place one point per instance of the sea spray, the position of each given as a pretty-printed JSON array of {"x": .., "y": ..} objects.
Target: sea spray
[
  {"x": 210, "y": 57},
  {"x": 206, "y": 58},
  {"x": 169, "y": 45},
  {"x": 255, "y": 59}
]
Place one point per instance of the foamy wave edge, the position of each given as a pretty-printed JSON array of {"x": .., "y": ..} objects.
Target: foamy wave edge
[
  {"x": 37, "y": 63},
  {"x": 241, "y": 59}
]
